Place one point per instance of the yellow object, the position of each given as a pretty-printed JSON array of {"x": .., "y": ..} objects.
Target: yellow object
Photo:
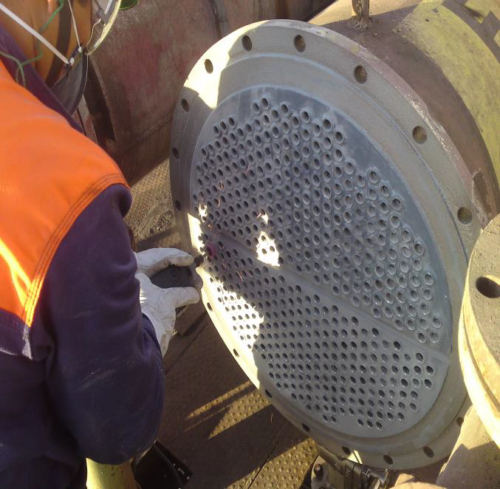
[
  {"x": 110, "y": 476},
  {"x": 464, "y": 58}
]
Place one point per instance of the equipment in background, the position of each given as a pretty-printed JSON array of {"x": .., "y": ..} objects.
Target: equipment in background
[
  {"x": 150, "y": 51},
  {"x": 68, "y": 83},
  {"x": 336, "y": 176},
  {"x": 479, "y": 337},
  {"x": 341, "y": 473},
  {"x": 475, "y": 460}
]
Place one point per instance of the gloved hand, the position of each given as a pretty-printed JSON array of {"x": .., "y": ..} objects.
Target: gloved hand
[{"x": 157, "y": 304}]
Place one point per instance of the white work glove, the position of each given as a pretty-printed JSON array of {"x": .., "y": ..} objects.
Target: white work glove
[{"x": 157, "y": 304}]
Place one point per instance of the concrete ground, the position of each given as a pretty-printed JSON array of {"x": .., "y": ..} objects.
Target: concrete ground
[{"x": 215, "y": 421}]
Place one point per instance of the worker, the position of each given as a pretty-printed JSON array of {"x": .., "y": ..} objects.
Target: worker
[{"x": 82, "y": 328}]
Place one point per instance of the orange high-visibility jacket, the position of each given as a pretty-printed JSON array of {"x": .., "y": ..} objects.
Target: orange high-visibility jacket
[
  {"x": 81, "y": 372},
  {"x": 40, "y": 197}
]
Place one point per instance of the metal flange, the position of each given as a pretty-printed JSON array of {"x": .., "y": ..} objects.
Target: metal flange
[
  {"x": 335, "y": 219},
  {"x": 480, "y": 329}
]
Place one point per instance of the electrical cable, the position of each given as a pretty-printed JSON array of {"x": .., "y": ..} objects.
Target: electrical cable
[
  {"x": 39, "y": 38},
  {"x": 75, "y": 27},
  {"x": 36, "y": 34},
  {"x": 20, "y": 68}
]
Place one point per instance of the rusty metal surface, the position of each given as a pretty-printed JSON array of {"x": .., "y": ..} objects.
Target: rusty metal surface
[
  {"x": 388, "y": 38},
  {"x": 136, "y": 76}
]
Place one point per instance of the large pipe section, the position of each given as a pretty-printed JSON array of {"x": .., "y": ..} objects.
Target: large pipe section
[
  {"x": 449, "y": 54},
  {"x": 136, "y": 76}
]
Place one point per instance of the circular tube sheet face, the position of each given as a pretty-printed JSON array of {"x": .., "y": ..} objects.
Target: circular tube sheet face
[
  {"x": 325, "y": 267},
  {"x": 324, "y": 271}
]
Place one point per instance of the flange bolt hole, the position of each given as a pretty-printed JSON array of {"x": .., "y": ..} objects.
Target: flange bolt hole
[
  {"x": 360, "y": 74},
  {"x": 489, "y": 287}
]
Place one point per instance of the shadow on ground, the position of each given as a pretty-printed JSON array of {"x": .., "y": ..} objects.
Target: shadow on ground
[{"x": 222, "y": 428}]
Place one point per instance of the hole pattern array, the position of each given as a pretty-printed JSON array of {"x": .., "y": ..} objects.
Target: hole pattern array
[
  {"x": 319, "y": 262},
  {"x": 285, "y": 182},
  {"x": 340, "y": 368}
]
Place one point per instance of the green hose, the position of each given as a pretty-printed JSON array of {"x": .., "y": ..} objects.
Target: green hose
[{"x": 126, "y": 4}]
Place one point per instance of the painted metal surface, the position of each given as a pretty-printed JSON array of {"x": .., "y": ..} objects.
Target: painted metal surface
[
  {"x": 479, "y": 329},
  {"x": 284, "y": 208},
  {"x": 475, "y": 460},
  {"x": 136, "y": 76}
]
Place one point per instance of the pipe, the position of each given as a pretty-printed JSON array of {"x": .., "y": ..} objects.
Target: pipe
[
  {"x": 457, "y": 75},
  {"x": 136, "y": 76}
]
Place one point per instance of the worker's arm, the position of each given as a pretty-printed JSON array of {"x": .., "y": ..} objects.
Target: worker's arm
[{"x": 104, "y": 366}]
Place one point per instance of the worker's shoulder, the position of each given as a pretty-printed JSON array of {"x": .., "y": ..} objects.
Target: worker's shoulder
[
  {"x": 40, "y": 149},
  {"x": 31, "y": 130},
  {"x": 50, "y": 175}
]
